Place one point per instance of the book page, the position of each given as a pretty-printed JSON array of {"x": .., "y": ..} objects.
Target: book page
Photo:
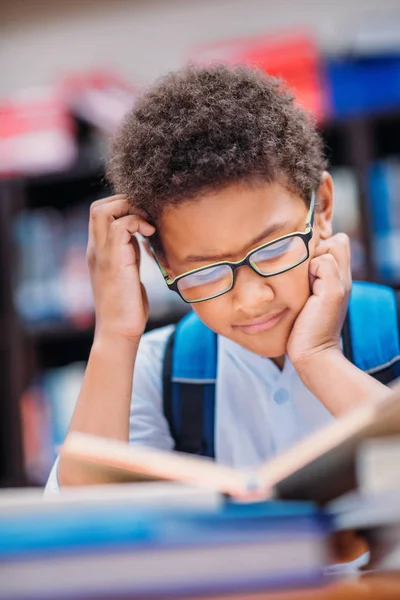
[
  {"x": 118, "y": 461},
  {"x": 323, "y": 465}
]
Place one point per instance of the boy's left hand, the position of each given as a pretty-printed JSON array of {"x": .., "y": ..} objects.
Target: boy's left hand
[{"x": 318, "y": 326}]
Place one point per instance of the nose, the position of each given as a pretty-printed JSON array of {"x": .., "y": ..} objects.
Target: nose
[{"x": 251, "y": 291}]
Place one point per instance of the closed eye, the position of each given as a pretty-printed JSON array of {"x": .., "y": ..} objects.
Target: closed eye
[
  {"x": 276, "y": 249},
  {"x": 207, "y": 276}
]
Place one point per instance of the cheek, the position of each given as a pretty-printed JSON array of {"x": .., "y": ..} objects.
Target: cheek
[
  {"x": 293, "y": 287},
  {"x": 215, "y": 313}
]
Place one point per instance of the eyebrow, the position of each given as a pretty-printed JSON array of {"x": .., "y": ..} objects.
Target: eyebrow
[{"x": 276, "y": 228}]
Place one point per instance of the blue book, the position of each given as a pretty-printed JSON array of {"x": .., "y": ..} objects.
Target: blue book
[
  {"x": 69, "y": 528},
  {"x": 97, "y": 551},
  {"x": 362, "y": 86}
]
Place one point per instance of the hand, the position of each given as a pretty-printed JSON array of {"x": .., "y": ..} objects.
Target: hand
[
  {"x": 113, "y": 255},
  {"x": 318, "y": 326},
  {"x": 347, "y": 546}
]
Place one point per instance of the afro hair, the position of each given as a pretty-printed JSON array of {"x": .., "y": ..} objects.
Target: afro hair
[{"x": 204, "y": 128}]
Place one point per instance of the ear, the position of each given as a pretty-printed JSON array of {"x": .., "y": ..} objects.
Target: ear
[{"x": 324, "y": 207}]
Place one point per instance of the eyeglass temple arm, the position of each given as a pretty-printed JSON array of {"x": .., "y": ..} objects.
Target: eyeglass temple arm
[
  {"x": 163, "y": 271},
  {"x": 310, "y": 214}
]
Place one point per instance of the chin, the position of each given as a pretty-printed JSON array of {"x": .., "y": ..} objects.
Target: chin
[{"x": 270, "y": 346}]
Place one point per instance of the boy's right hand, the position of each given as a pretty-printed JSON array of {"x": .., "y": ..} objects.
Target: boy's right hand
[{"x": 113, "y": 255}]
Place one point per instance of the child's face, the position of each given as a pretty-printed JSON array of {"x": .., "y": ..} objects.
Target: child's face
[{"x": 258, "y": 313}]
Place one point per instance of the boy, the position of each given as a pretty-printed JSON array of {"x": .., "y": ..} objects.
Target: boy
[{"x": 216, "y": 165}]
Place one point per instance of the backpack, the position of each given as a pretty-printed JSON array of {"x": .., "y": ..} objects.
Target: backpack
[{"x": 370, "y": 340}]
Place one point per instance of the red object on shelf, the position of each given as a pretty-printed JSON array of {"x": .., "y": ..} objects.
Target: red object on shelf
[
  {"x": 99, "y": 97},
  {"x": 37, "y": 133},
  {"x": 293, "y": 57}
]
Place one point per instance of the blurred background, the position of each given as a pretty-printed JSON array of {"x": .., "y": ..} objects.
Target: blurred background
[{"x": 69, "y": 71}]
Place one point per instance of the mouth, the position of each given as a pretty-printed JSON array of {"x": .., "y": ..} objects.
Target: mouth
[{"x": 262, "y": 323}]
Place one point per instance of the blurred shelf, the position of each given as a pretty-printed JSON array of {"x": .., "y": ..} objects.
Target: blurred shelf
[
  {"x": 89, "y": 163},
  {"x": 90, "y": 168},
  {"x": 80, "y": 185},
  {"x": 10, "y": 482},
  {"x": 58, "y": 344},
  {"x": 83, "y": 169},
  {"x": 385, "y": 114},
  {"x": 55, "y": 332}
]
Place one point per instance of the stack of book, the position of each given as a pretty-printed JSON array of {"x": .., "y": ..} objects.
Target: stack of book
[
  {"x": 374, "y": 507},
  {"x": 207, "y": 529},
  {"x": 150, "y": 541}
]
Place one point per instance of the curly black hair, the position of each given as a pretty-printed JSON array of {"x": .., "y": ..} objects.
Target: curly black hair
[{"x": 205, "y": 128}]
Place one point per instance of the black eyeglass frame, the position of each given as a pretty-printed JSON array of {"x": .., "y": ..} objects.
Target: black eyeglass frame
[{"x": 305, "y": 236}]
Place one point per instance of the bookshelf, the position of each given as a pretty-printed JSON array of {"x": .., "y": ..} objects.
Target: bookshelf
[{"x": 25, "y": 350}]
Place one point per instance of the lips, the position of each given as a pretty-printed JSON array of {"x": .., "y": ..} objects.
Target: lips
[{"x": 262, "y": 323}]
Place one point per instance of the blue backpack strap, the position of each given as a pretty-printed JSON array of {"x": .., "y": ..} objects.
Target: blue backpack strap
[
  {"x": 189, "y": 374},
  {"x": 371, "y": 331},
  {"x": 370, "y": 341}
]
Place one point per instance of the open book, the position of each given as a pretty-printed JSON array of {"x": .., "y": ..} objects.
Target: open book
[{"x": 320, "y": 468}]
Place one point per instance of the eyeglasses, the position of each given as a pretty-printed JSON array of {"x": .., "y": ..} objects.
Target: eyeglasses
[{"x": 275, "y": 257}]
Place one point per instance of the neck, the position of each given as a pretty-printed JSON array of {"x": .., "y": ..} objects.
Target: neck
[{"x": 279, "y": 361}]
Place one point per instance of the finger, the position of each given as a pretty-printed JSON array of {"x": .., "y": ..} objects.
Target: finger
[
  {"x": 108, "y": 199},
  {"x": 126, "y": 226},
  {"x": 133, "y": 209},
  {"x": 339, "y": 247},
  {"x": 122, "y": 246},
  {"x": 104, "y": 213},
  {"x": 325, "y": 276}
]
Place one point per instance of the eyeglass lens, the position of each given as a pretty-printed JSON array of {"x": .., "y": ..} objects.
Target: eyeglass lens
[{"x": 272, "y": 259}]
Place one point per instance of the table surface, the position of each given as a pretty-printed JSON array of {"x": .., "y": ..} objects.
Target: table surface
[{"x": 366, "y": 587}]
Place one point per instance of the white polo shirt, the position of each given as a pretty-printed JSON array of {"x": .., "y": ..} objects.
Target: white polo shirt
[{"x": 260, "y": 410}]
